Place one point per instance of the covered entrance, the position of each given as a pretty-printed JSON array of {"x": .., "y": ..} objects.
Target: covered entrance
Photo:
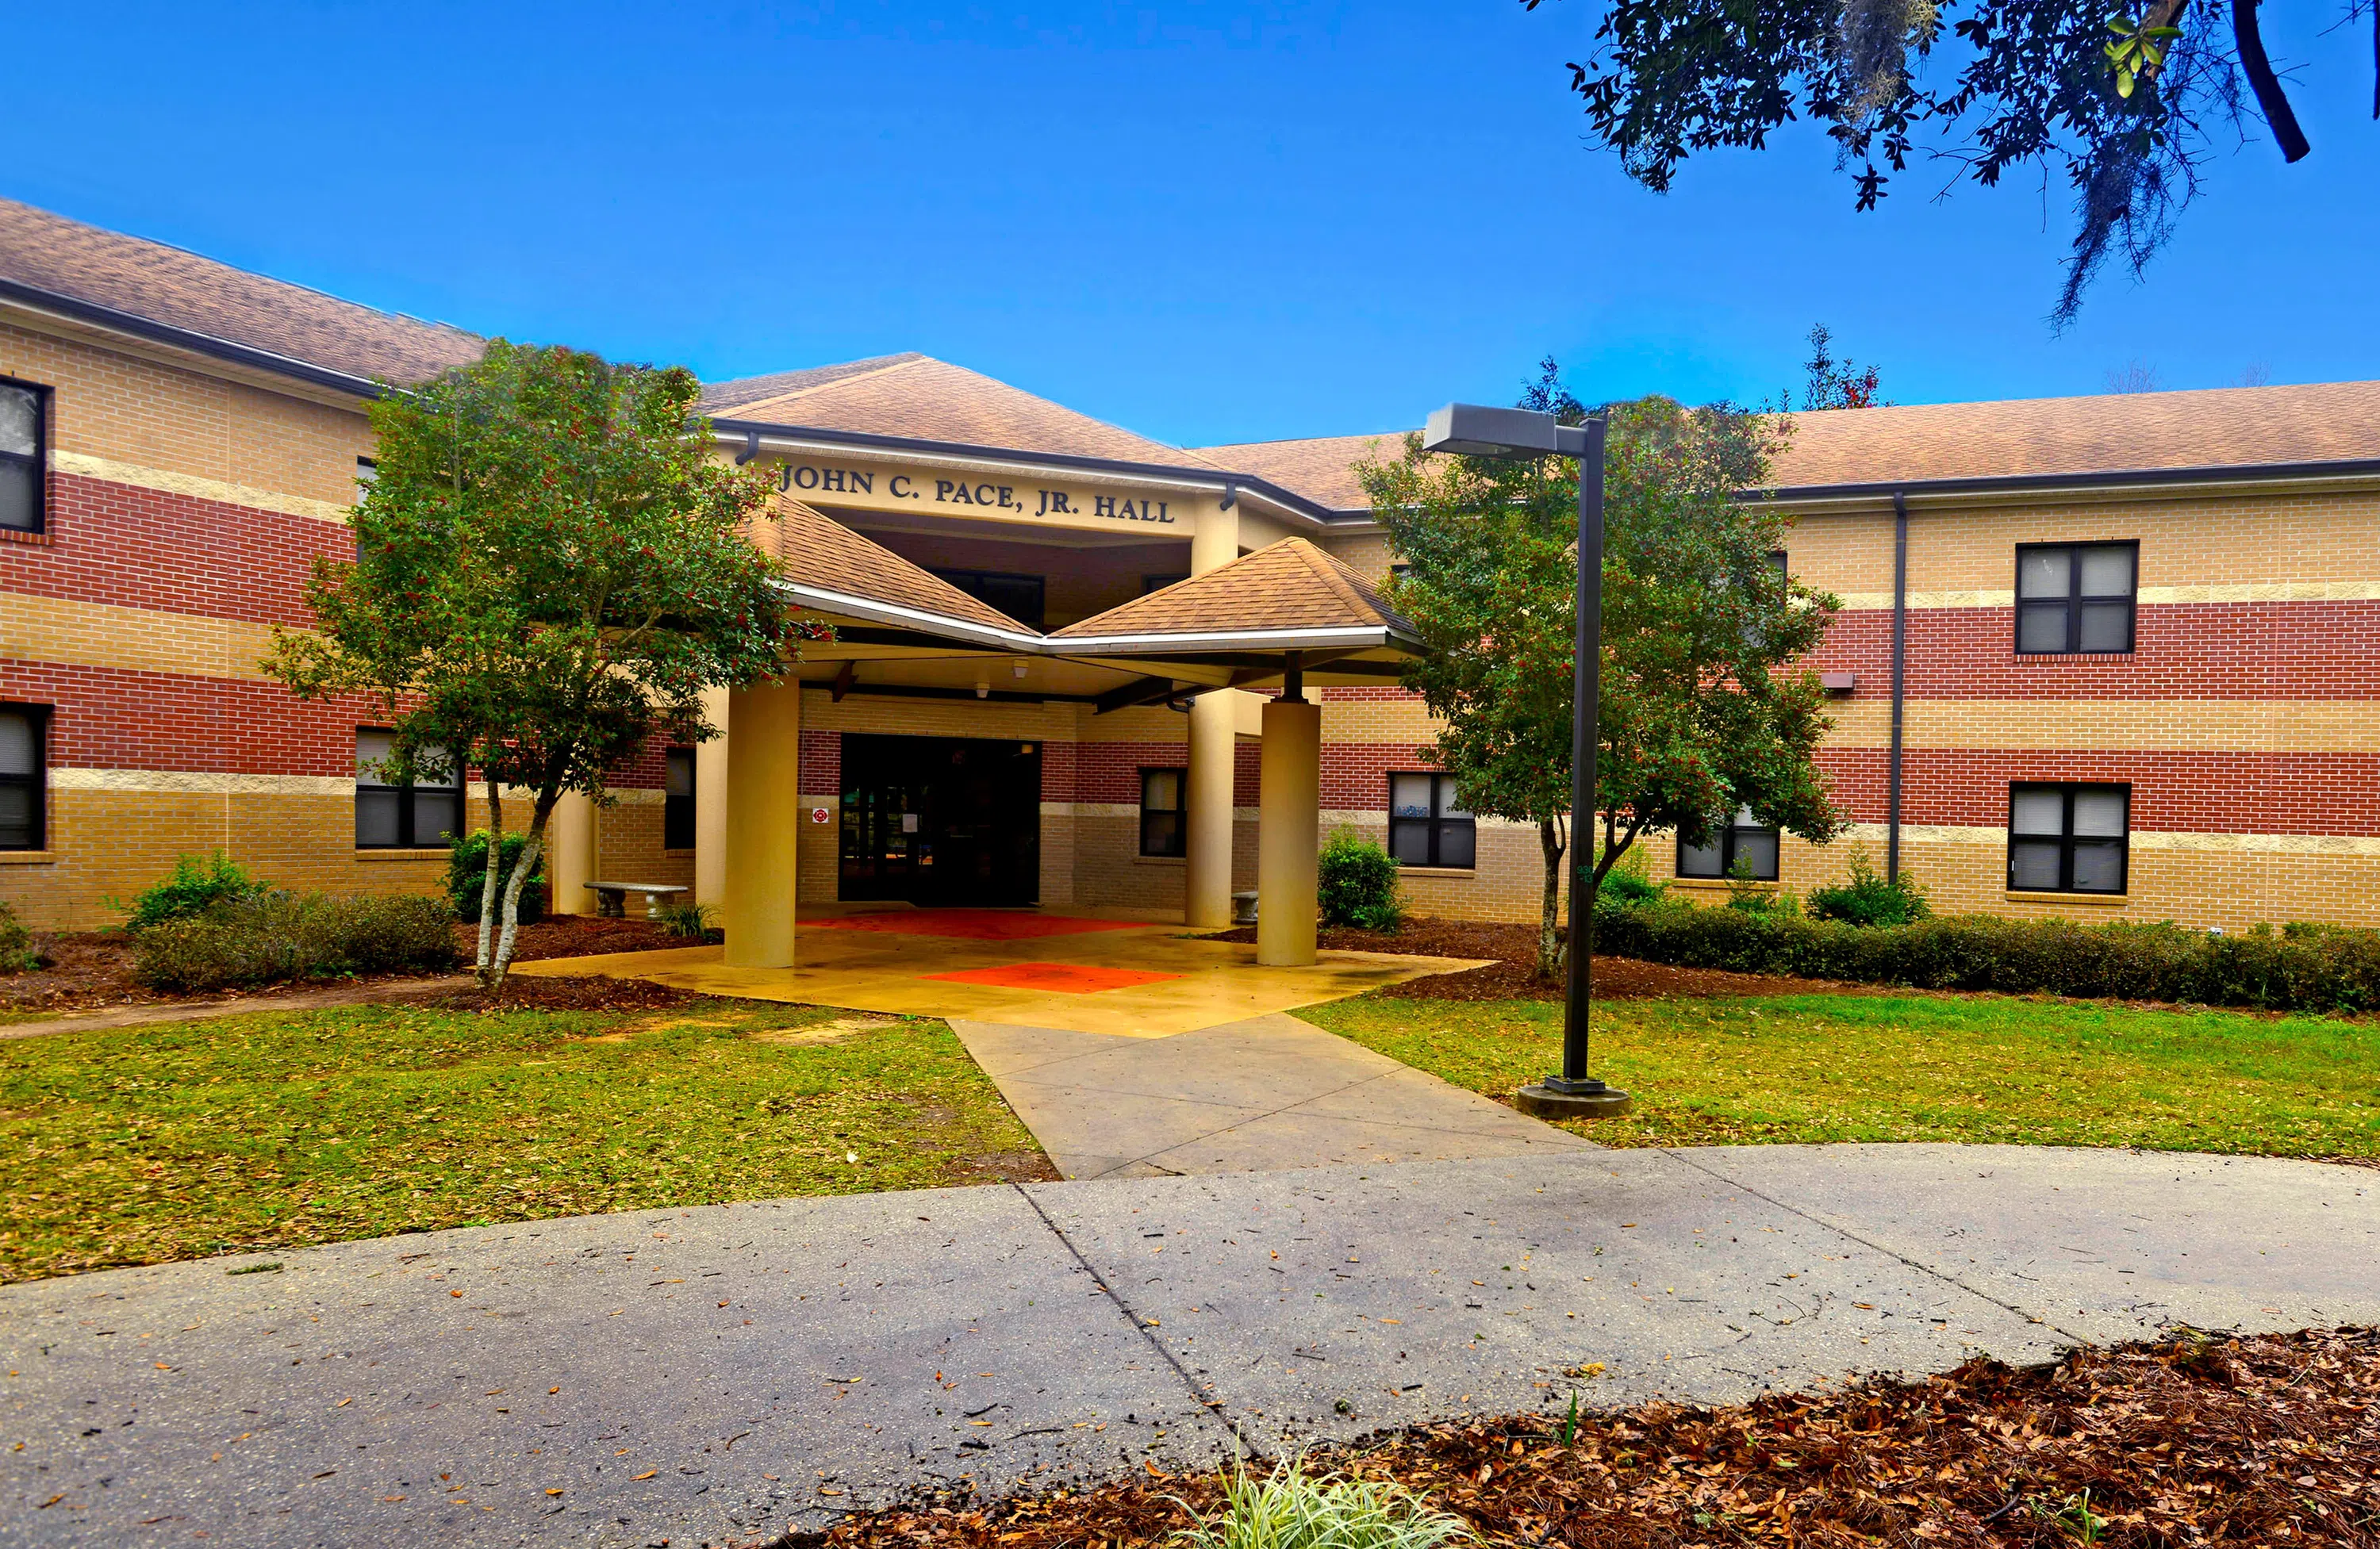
[{"x": 953, "y": 821}]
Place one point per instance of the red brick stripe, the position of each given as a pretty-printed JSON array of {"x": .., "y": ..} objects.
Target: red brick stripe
[
  {"x": 2190, "y": 792},
  {"x": 130, "y": 547}
]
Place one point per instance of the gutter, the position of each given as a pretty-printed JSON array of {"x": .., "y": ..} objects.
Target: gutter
[
  {"x": 2217, "y": 473},
  {"x": 1900, "y": 680},
  {"x": 188, "y": 339},
  {"x": 747, "y": 434}
]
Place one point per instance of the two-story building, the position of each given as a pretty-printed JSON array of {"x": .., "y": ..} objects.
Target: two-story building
[{"x": 2103, "y": 658}]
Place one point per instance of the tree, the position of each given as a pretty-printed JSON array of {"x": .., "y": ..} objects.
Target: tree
[
  {"x": 2123, "y": 106},
  {"x": 551, "y": 566},
  {"x": 1836, "y": 385},
  {"x": 1703, "y": 707}
]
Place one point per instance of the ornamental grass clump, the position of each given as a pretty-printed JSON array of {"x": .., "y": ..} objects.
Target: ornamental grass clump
[
  {"x": 17, "y": 954},
  {"x": 279, "y": 936},
  {"x": 1291, "y": 1510}
]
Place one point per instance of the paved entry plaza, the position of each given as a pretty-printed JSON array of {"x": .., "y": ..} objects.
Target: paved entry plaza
[
  {"x": 1131, "y": 1048},
  {"x": 1020, "y": 968}
]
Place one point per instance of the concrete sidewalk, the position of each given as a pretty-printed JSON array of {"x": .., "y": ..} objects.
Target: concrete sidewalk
[
  {"x": 713, "y": 1375},
  {"x": 1262, "y": 1092}
]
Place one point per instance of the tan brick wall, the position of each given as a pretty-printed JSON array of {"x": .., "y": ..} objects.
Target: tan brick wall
[{"x": 125, "y": 408}]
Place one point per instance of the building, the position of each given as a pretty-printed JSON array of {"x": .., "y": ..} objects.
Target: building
[{"x": 2132, "y": 636}]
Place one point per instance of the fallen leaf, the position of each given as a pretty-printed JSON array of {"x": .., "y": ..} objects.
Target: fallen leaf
[
  {"x": 549, "y": 1492},
  {"x": 392, "y": 1500},
  {"x": 647, "y": 1473},
  {"x": 344, "y": 1402}
]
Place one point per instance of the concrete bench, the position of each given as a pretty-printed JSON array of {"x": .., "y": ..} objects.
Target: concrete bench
[{"x": 612, "y": 898}]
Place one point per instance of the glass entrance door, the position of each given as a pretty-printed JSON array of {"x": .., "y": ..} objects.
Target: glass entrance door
[{"x": 947, "y": 821}]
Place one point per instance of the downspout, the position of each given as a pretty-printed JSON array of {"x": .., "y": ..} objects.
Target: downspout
[{"x": 1899, "y": 673}]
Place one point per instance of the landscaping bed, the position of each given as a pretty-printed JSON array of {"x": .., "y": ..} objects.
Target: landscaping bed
[
  {"x": 1515, "y": 975},
  {"x": 2196, "y": 1439},
  {"x": 92, "y": 969},
  {"x": 276, "y": 1128}
]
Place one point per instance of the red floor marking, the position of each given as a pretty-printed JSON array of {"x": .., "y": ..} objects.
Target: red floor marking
[
  {"x": 972, "y": 924},
  {"x": 1067, "y": 977}
]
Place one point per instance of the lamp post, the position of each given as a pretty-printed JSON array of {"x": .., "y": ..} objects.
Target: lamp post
[{"x": 1476, "y": 431}]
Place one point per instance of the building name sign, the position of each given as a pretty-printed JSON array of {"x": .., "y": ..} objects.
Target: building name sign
[{"x": 882, "y": 489}]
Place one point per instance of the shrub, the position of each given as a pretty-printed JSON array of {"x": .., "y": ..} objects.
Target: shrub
[
  {"x": 1293, "y": 1510},
  {"x": 2328, "y": 971},
  {"x": 1357, "y": 883},
  {"x": 194, "y": 887},
  {"x": 1628, "y": 884},
  {"x": 1869, "y": 899},
  {"x": 466, "y": 876},
  {"x": 276, "y": 937},
  {"x": 17, "y": 954}
]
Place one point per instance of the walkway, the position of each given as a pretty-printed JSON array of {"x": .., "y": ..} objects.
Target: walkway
[
  {"x": 1022, "y": 968},
  {"x": 711, "y": 1375},
  {"x": 1268, "y": 1092}
]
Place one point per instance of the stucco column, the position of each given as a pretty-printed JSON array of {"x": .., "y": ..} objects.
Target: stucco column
[
  {"x": 710, "y": 805},
  {"x": 571, "y": 854},
  {"x": 1206, "y": 789},
  {"x": 763, "y": 823},
  {"x": 1290, "y": 833}
]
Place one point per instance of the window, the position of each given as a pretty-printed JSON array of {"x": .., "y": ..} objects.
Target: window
[
  {"x": 1019, "y": 597},
  {"x": 2075, "y": 597},
  {"x": 417, "y": 816},
  {"x": 23, "y": 775},
  {"x": 2069, "y": 839},
  {"x": 677, "y": 800},
  {"x": 24, "y": 431},
  {"x": 1745, "y": 843},
  {"x": 1161, "y": 813},
  {"x": 1427, "y": 823},
  {"x": 1159, "y": 583}
]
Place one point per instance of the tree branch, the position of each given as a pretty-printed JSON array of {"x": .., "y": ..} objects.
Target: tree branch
[{"x": 2269, "y": 96}]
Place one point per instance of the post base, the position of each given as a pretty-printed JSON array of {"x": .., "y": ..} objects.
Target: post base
[{"x": 1541, "y": 1101}]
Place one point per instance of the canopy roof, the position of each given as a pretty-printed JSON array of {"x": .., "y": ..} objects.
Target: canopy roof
[{"x": 1287, "y": 607}]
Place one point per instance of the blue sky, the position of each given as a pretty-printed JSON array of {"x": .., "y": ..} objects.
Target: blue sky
[{"x": 1207, "y": 222}]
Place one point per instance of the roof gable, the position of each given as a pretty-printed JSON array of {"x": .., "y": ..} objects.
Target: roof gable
[
  {"x": 1288, "y": 585},
  {"x": 815, "y": 551},
  {"x": 150, "y": 281},
  {"x": 1321, "y": 469},
  {"x": 920, "y": 398}
]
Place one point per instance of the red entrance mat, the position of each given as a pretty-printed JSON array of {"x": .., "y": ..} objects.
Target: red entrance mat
[
  {"x": 1065, "y": 977},
  {"x": 972, "y": 924}
]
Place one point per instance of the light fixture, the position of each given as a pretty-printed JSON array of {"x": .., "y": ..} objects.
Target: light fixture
[
  {"x": 1018, "y": 667},
  {"x": 983, "y": 691},
  {"x": 1479, "y": 431}
]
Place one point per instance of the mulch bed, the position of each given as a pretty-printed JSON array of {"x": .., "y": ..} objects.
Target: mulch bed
[
  {"x": 537, "y": 992},
  {"x": 2195, "y": 1440},
  {"x": 1514, "y": 976},
  {"x": 90, "y": 970}
]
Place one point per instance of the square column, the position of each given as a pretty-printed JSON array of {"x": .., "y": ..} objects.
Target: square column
[
  {"x": 1214, "y": 741},
  {"x": 1289, "y": 839},
  {"x": 711, "y": 806},
  {"x": 571, "y": 854},
  {"x": 763, "y": 823}
]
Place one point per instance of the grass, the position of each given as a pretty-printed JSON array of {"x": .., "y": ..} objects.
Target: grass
[
  {"x": 1918, "y": 1068},
  {"x": 141, "y": 1144}
]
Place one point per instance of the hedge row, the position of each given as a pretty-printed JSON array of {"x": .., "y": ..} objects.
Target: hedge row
[
  {"x": 279, "y": 936},
  {"x": 2298, "y": 968}
]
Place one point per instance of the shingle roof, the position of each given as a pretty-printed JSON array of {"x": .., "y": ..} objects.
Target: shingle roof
[
  {"x": 1321, "y": 469},
  {"x": 2226, "y": 426},
  {"x": 1288, "y": 585},
  {"x": 814, "y": 550},
  {"x": 155, "y": 283},
  {"x": 925, "y": 399}
]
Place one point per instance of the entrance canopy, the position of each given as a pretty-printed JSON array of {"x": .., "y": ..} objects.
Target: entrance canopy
[{"x": 1290, "y": 607}]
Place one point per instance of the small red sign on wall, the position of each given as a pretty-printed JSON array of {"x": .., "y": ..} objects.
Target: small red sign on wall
[{"x": 817, "y": 814}]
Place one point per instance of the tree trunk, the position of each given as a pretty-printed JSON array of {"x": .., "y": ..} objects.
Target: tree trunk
[
  {"x": 530, "y": 854},
  {"x": 1549, "y": 938},
  {"x": 493, "y": 883}
]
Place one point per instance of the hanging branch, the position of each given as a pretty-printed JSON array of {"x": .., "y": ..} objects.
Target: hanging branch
[{"x": 2259, "y": 70}]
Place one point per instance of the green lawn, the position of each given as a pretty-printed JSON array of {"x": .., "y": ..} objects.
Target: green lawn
[
  {"x": 141, "y": 1144},
  {"x": 1917, "y": 1067}
]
